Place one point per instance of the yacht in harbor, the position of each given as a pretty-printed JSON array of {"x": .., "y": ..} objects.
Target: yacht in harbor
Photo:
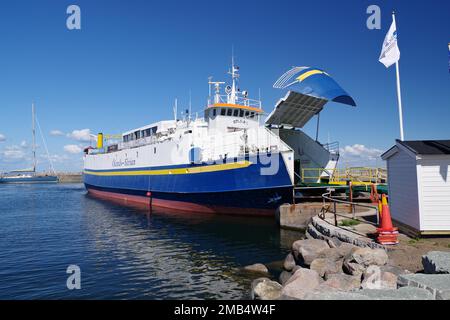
[
  {"x": 29, "y": 175},
  {"x": 233, "y": 160}
]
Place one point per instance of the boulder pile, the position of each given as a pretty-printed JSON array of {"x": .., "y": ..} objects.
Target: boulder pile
[{"x": 325, "y": 269}]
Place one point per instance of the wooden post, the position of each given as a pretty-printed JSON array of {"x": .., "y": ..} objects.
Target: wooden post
[
  {"x": 335, "y": 216},
  {"x": 350, "y": 196}
]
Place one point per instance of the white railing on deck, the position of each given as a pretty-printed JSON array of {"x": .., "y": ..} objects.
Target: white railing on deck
[
  {"x": 234, "y": 144},
  {"x": 238, "y": 100}
]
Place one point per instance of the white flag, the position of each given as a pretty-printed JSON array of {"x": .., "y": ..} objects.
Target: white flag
[{"x": 390, "y": 53}]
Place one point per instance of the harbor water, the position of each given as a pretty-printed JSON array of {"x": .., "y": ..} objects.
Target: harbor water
[{"x": 124, "y": 252}]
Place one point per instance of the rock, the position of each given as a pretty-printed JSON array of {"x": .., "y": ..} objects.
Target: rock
[
  {"x": 437, "y": 284},
  {"x": 343, "y": 282},
  {"x": 346, "y": 249},
  {"x": 255, "y": 283},
  {"x": 326, "y": 266},
  {"x": 394, "y": 269},
  {"x": 335, "y": 295},
  {"x": 406, "y": 293},
  {"x": 266, "y": 289},
  {"x": 289, "y": 262},
  {"x": 305, "y": 251},
  {"x": 330, "y": 254},
  {"x": 303, "y": 281},
  {"x": 257, "y": 267},
  {"x": 375, "y": 278},
  {"x": 284, "y": 277},
  {"x": 338, "y": 253},
  {"x": 367, "y": 256},
  {"x": 359, "y": 259},
  {"x": 436, "y": 262},
  {"x": 353, "y": 268},
  {"x": 334, "y": 242}
]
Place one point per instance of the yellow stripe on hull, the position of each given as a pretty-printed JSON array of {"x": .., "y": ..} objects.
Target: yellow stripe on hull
[{"x": 203, "y": 169}]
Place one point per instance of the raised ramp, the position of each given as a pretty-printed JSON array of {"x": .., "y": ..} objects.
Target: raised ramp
[{"x": 295, "y": 110}]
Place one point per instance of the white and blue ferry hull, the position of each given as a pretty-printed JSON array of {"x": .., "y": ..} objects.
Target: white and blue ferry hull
[{"x": 240, "y": 187}]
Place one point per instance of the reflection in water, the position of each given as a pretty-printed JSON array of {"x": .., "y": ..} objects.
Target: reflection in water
[{"x": 124, "y": 252}]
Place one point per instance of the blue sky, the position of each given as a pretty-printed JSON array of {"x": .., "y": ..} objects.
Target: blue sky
[{"x": 129, "y": 61}]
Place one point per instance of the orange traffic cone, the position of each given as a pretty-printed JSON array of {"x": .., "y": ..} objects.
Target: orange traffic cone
[
  {"x": 387, "y": 234},
  {"x": 386, "y": 221}
]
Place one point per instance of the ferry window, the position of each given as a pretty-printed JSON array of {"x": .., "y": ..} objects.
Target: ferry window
[
  {"x": 148, "y": 132},
  {"x": 241, "y": 113},
  {"x": 214, "y": 112},
  {"x": 137, "y": 135},
  {"x": 247, "y": 113},
  {"x": 222, "y": 111},
  {"x": 229, "y": 112},
  {"x": 252, "y": 115},
  {"x": 235, "y": 113},
  {"x": 154, "y": 150}
]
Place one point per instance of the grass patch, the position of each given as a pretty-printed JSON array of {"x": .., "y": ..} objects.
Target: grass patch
[
  {"x": 348, "y": 223},
  {"x": 413, "y": 240}
]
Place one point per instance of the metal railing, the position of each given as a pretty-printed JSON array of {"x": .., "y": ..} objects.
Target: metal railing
[
  {"x": 357, "y": 175},
  {"x": 333, "y": 201},
  {"x": 332, "y": 147},
  {"x": 238, "y": 100}
]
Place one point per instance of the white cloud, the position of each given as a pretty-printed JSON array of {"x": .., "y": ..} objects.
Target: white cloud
[
  {"x": 72, "y": 148},
  {"x": 359, "y": 154},
  {"x": 24, "y": 144},
  {"x": 2, "y": 137},
  {"x": 56, "y": 133},
  {"x": 13, "y": 153},
  {"x": 80, "y": 135}
]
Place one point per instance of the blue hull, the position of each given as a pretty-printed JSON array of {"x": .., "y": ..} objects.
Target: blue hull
[
  {"x": 37, "y": 179},
  {"x": 223, "y": 191}
]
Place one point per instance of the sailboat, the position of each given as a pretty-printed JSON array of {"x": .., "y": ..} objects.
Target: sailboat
[{"x": 29, "y": 175}]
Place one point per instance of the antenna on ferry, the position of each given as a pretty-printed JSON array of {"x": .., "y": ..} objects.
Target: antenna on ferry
[
  {"x": 209, "y": 84},
  {"x": 175, "y": 109},
  {"x": 234, "y": 76}
]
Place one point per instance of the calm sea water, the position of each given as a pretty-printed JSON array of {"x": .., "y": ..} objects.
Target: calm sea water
[{"x": 123, "y": 252}]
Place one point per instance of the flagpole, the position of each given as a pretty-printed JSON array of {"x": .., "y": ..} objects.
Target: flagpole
[{"x": 399, "y": 94}]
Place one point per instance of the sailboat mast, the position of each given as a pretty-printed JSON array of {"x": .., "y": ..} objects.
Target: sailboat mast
[{"x": 33, "y": 129}]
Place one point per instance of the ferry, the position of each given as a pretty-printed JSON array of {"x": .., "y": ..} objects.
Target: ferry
[{"x": 233, "y": 160}]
